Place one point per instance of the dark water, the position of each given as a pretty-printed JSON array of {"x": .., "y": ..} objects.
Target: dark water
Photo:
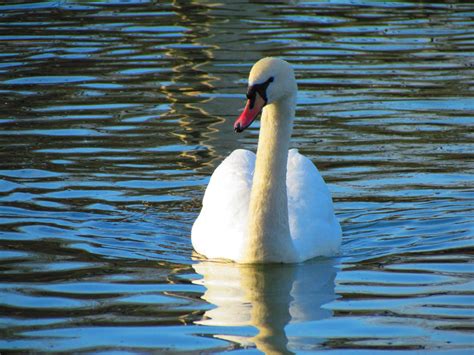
[{"x": 113, "y": 114}]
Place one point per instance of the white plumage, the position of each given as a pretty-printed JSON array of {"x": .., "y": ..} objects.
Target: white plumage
[
  {"x": 220, "y": 229},
  {"x": 256, "y": 227}
]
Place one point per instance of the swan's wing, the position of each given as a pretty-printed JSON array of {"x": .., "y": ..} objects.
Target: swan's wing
[
  {"x": 219, "y": 230},
  {"x": 313, "y": 225}
]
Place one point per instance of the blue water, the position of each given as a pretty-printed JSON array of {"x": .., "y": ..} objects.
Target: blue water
[{"x": 114, "y": 114}]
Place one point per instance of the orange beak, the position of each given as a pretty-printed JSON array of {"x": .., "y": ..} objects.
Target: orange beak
[{"x": 252, "y": 109}]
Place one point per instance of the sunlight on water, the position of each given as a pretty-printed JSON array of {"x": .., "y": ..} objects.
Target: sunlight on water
[{"x": 113, "y": 116}]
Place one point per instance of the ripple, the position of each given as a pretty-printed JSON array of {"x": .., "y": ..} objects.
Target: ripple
[
  {"x": 41, "y": 80},
  {"x": 40, "y": 303},
  {"x": 113, "y": 118}
]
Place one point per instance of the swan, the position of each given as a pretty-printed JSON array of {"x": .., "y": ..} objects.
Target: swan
[{"x": 272, "y": 207}]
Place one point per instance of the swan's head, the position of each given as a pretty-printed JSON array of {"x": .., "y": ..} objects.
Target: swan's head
[{"x": 270, "y": 80}]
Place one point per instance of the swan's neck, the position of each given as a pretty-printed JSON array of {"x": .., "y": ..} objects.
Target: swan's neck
[{"x": 268, "y": 229}]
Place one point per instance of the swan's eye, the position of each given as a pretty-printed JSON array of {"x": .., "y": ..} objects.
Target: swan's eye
[{"x": 261, "y": 89}]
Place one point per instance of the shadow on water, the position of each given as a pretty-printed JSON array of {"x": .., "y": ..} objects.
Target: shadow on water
[{"x": 266, "y": 297}]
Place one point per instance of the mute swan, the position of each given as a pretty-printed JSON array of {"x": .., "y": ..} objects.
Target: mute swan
[{"x": 273, "y": 206}]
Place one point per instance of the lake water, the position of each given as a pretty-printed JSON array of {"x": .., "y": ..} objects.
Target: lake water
[{"x": 113, "y": 115}]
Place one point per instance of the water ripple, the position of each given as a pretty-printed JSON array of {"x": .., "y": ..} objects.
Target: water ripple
[{"x": 114, "y": 115}]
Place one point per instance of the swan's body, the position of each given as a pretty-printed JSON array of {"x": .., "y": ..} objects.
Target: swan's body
[{"x": 273, "y": 206}]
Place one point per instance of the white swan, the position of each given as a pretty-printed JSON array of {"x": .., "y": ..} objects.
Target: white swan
[{"x": 275, "y": 206}]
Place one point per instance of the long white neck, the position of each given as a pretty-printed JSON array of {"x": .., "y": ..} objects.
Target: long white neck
[{"x": 268, "y": 238}]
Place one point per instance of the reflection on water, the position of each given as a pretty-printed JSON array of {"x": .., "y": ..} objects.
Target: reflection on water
[
  {"x": 113, "y": 114},
  {"x": 266, "y": 297}
]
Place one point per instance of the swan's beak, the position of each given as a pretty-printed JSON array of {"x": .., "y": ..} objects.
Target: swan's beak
[{"x": 252, "y": 109}]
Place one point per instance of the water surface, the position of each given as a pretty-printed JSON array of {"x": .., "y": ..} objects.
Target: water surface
[{"x": 114, "y": 114}]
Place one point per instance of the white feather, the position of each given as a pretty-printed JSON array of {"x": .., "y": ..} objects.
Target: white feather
[
  {"x": 221, "y": 228},
  {"x": 249, "y": 214}
]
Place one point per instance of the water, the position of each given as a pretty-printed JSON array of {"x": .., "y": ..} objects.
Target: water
[{"x": 113, "y": 115}]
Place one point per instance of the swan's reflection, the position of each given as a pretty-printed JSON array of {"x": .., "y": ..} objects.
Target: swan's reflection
[{"x": 267, "y": 297}]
